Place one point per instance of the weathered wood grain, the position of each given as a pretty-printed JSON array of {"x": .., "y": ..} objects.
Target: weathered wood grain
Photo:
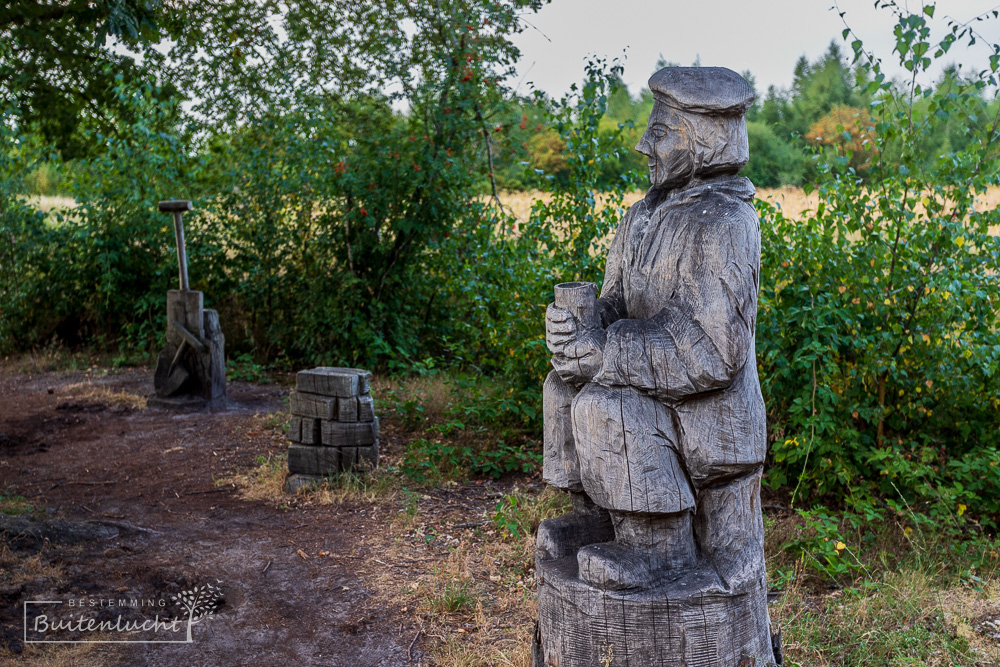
[
  {"x": 349, "y": 434},
  {"x": 366, "y": 408},
  {"x": 347, "y": 409},
  {"x": 653, "y": 417},
  {"x": 313, "y": 460},
  {"x": 295, "y": 428},
  {"x": 316, "y": 406},
  {"x": 333, "y": 381},
  {"x": 192, "y": 365},
  {"x": 560, "y": 464},
  {"x": 309, "y": 433},
  {"x": 687, "y": 622}
]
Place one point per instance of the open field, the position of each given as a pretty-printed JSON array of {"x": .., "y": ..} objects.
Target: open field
[
  {"x": 794, "y": 201},
  {"x": 49, "y": 203}
]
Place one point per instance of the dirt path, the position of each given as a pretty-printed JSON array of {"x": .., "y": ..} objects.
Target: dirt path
[{"x": 70, "y": 446}]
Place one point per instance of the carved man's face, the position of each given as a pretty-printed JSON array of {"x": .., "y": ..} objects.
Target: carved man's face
[{"x": 668, "y": 142}]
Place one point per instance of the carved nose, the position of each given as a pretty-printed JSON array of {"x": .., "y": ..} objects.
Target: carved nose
[{"x": 642, "y": 145}]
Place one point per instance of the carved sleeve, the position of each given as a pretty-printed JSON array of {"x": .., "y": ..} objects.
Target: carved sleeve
[
  {"x": 611, "y": 305},
  {"x": 701, "y": 339}
]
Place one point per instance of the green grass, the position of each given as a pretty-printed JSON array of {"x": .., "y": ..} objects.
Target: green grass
[
  {"x": 452, "y": 597},
  {"x": 11, "y": 503},
  {"x": 903, "y": 618},
  {"x": 901, "y": 596}
]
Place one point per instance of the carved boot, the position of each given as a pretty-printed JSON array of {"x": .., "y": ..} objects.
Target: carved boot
[
  {"x": 647, "y": 550},
  {"x": 562, "y": 536}
]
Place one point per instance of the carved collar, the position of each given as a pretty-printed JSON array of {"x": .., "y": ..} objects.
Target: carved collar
[{"x": 731, "y": 185}]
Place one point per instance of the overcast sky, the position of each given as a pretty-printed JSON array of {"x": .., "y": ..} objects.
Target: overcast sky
[{"x": 763, "y": 37}]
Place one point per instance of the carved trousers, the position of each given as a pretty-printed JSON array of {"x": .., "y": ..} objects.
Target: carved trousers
[
  {"x": 622, "y": 448},
  {"x": 617, "y": 445}
]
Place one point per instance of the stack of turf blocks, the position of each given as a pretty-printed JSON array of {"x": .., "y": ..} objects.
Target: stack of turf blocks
[{"x": 333, "y": 426}]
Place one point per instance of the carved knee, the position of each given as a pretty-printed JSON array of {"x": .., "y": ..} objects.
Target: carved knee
[{"x": 627, "y": 448}]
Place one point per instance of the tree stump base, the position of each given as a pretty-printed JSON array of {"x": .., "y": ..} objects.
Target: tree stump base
[
  {"x": 181, "y": 403},
  {"x": 689, "y": 621}
]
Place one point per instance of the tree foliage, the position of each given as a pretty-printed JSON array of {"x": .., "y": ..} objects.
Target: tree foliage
[
  {"x": 320, "y": 202},
  {"x": 58, "y": 67}
]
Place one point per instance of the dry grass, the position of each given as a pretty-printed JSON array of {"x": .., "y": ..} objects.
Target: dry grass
[
  {"x": 975, "y": 615},
  {"x": 458, "y": 563},
  {"x": 20, "y": 570},
  {"x": 353, "y": 487},
  {"x": 55, "y": 358},
  {"x": 67, "y": 655},
  {"x": 92, "y": 392},
  {"x": 266, "y": 482},
  {"x": 47, "y": 203},
  {"x": 896, "y": 618},
  {"x": 469, "y": 584},
  {"x": 520, "y": 203},
  {"x": 449, "y": 587},
  {"x": 793, "y": 201},
  {"x": 906, "y": 603},
  {"x": 47, "y": 359},
  {"x": 17, "y": 568},
  {"x": 415, "y": 398}
]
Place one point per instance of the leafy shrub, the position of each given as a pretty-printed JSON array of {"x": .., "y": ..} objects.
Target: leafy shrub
[
  {"x": 317, "y": 214},
  {"x": 98, "y": 272},
  {"x": 820, "y": 546},
  {"x": 243, "y": 367},
  {"x": 498, "y": 275},
  {"x": 518, "y": 514},
  {"x": 774, "y": 161},
  {"x": 509, "y": 518},
  {"x": 24, "y": 242},
  {"x": 430, "y": 461},
  {"x": 878, "y": 337}
]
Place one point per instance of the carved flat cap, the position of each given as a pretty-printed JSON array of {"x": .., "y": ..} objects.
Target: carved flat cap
[{"x": 707, "y": 90}]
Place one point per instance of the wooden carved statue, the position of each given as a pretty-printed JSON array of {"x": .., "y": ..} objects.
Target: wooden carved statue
[{"x": 654, "y": 419}]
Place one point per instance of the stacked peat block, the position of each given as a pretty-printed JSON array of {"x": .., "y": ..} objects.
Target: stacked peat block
[{"x": 333, "y": 426}]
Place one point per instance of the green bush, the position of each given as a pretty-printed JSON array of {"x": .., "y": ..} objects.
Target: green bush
[
  {"x": 773, "y": 161},
  {"x": 878, "y": 339},
  {"x": 97, "y": 273},
  {"x": 316, "y": 219},
  {"x": 24, "y": 242},
  {"x": 497, "y": 276}
]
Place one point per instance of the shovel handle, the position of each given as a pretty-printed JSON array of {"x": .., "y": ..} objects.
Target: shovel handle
[{"x": 177, "y": 207}]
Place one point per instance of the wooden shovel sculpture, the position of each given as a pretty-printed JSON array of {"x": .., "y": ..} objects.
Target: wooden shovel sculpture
[
  {"x": 177, "y": 375},
  {"x": 191, "y": 369}
]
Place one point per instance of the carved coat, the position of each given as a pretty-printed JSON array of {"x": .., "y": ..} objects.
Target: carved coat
[{"x": 680, "y": 288}]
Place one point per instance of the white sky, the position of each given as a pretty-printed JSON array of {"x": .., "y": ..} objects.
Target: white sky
[{"x": 763, "y": 37}]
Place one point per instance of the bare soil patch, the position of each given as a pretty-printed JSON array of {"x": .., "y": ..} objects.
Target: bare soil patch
[{"x": 305, "y": 581}]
